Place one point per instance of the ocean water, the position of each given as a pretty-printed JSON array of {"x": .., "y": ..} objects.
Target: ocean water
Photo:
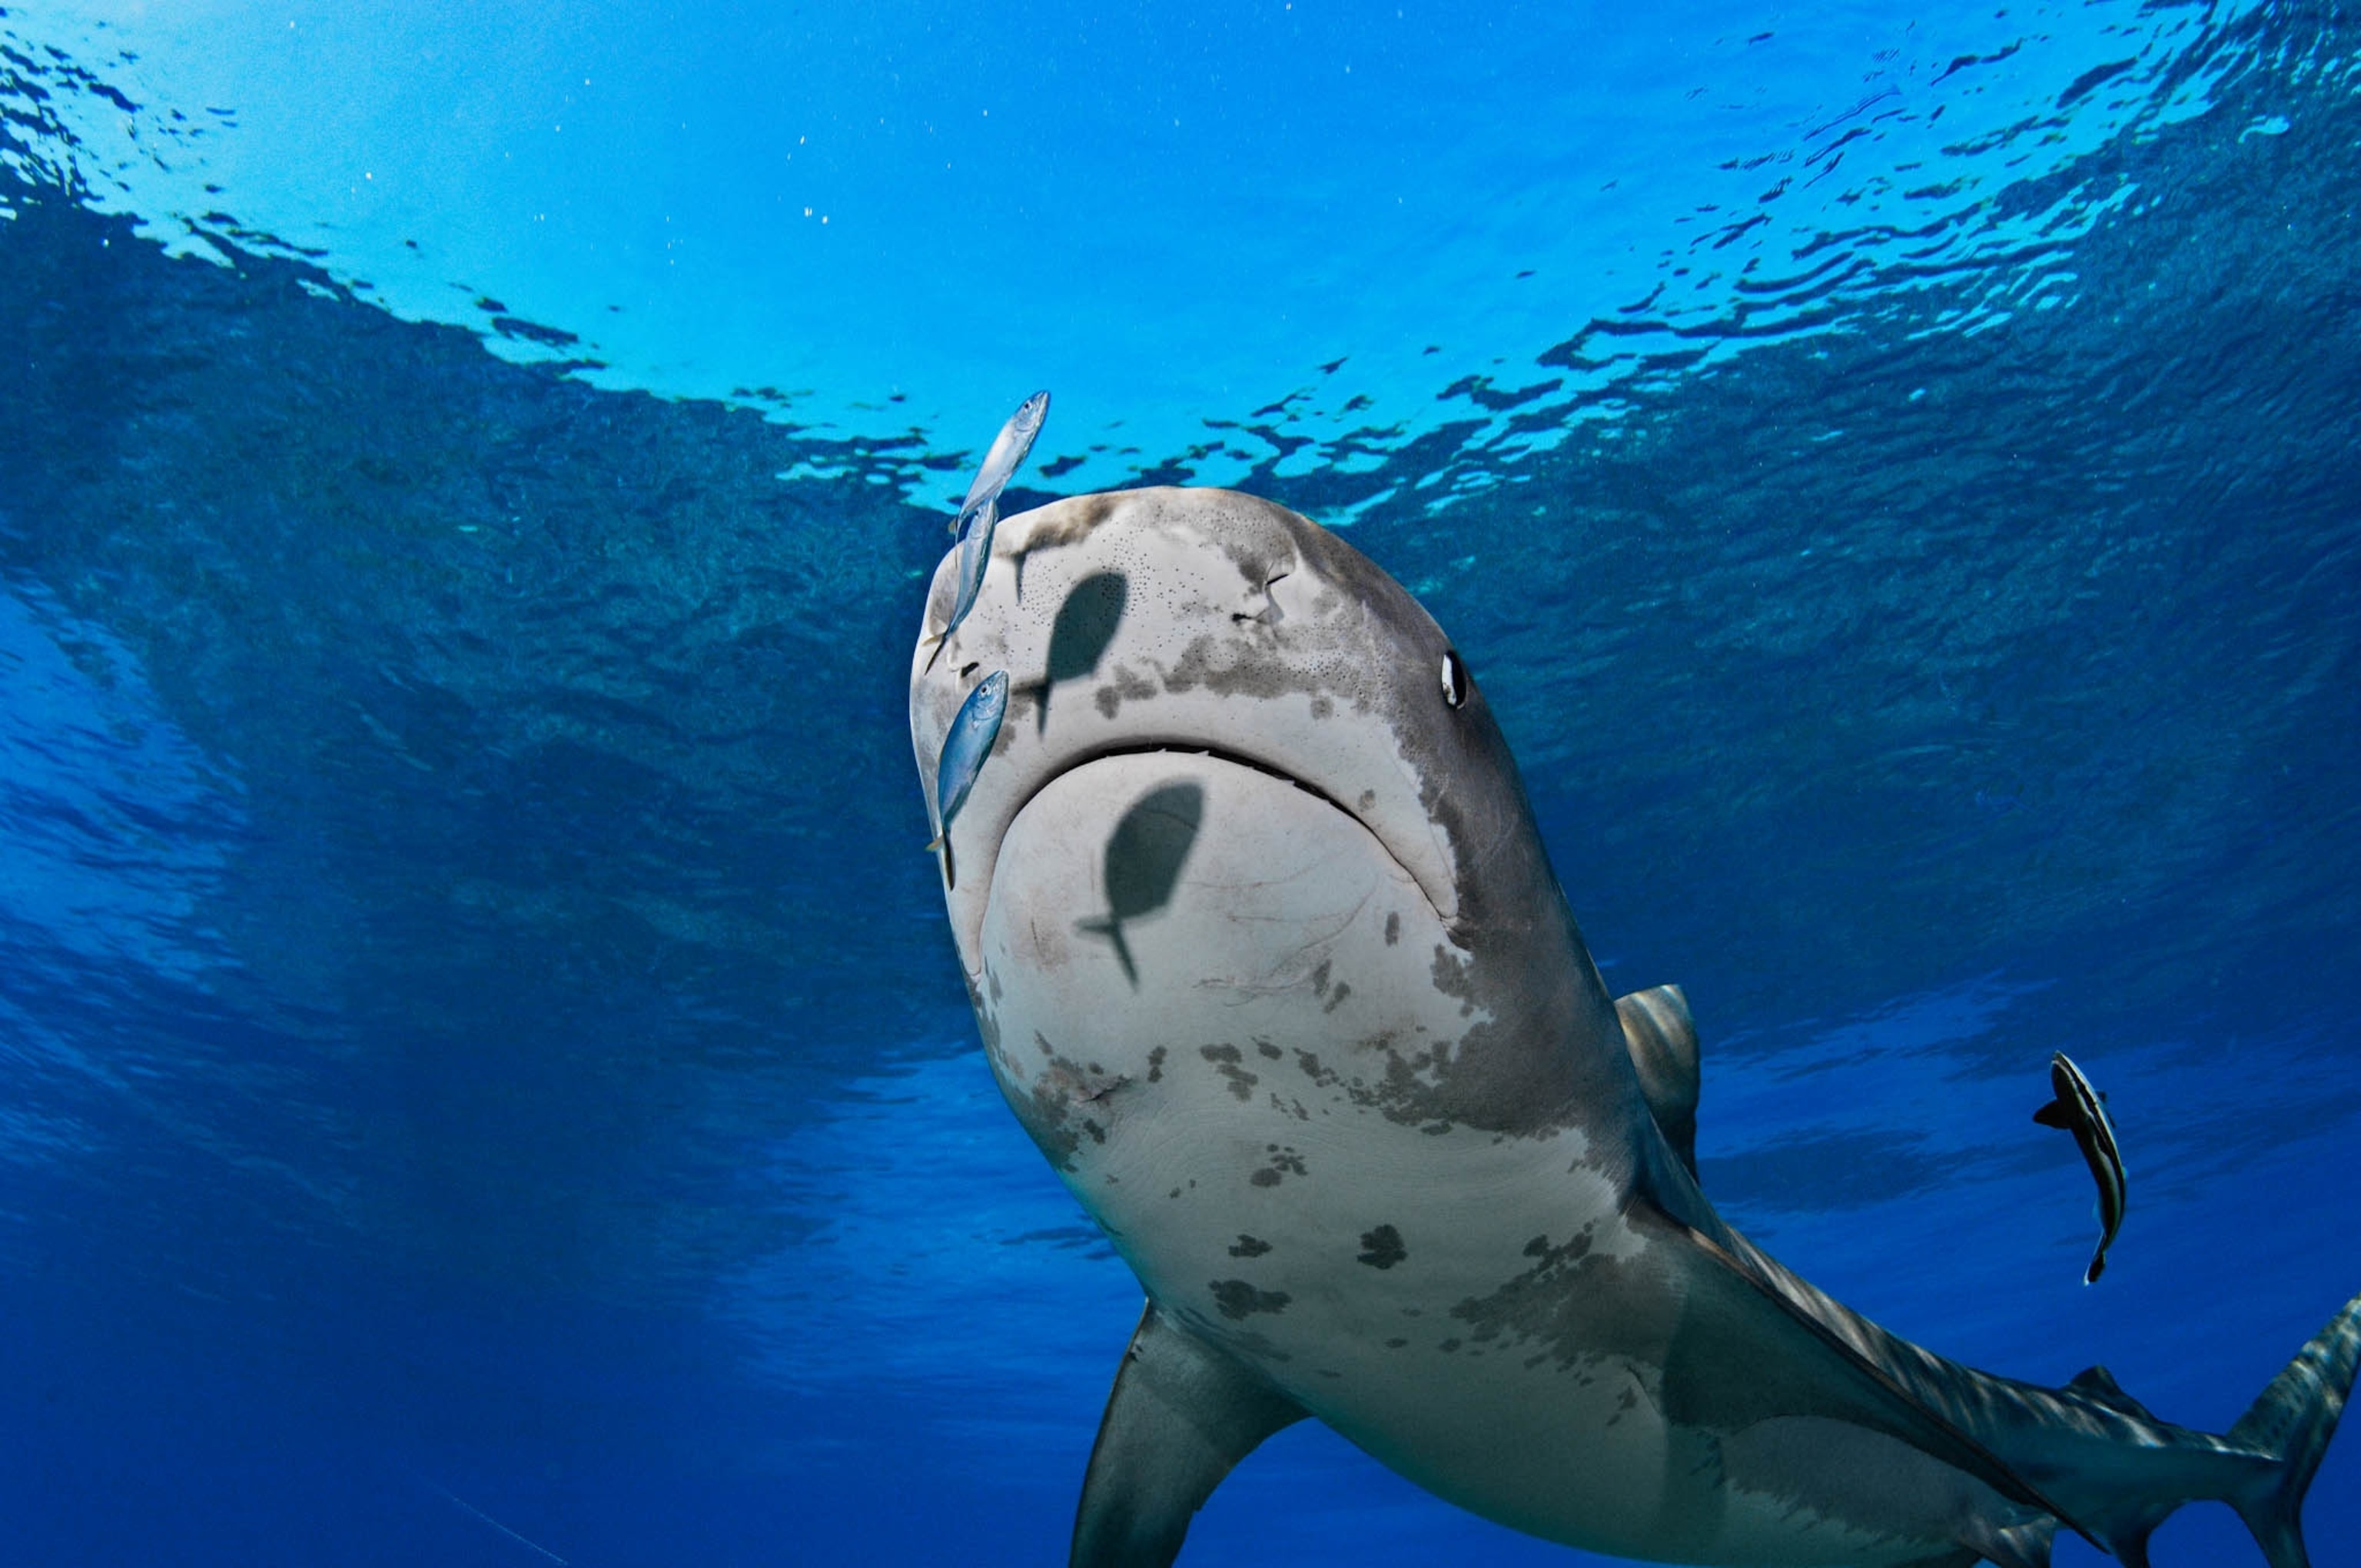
[{"x": 483, "y": 1074}]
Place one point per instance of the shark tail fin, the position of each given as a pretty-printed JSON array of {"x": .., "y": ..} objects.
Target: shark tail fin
[{"x": 2293, "y": 1421}]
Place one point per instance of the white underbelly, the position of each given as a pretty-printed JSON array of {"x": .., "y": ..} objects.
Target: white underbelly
[{"x": 1220, "y": 1078}]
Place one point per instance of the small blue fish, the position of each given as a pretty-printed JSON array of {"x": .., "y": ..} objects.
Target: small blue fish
[
  {"x": 974, "y": 559},
  {"x": 1000, "y": 463},
  {"x": 980, "y": 513},
  {"x": 2082, "y": 1111},
  {"x": 972, "y": 732}
]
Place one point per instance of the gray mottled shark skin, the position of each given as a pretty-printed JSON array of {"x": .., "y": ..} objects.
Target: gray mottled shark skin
[{"x": 1269, "y": 961}]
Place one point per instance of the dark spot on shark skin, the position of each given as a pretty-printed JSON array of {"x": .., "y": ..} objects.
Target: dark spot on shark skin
[
  {"x": 1393, "y": 928},
  {"x": 1284, "y": 1162},
  {"x": 1321, "y": 1077},
  {"x": 1448, "y": 1347},
  {"x": 1085, "y": 624},
  {"x": 1337, "y": 997},
  {"x": 1322, "y": 707},
  {"x": 1143, "y": 861},
  {"x": 1452, "y": 978},
  {"x": 1267, "y": 1048},
  {"x": 1249, "y": 1246},
  {"x": 1382, "y": 1248},
  {"x": 1072, "y": 521},
  {"x": 1047, "y": 1106},
  {"x": 1238, "y": 1300},
  {"x": 1396, "y": 1344},
  {"x": 987, "y": 1021},
  {"x": 1230, "y": 668},
  {"x": 1226, "y": 1060},
  {"x": 1255, "y": 540},
  {"x": 1156, "y": 1064},
  {"x": 1537, "y": 1304},
  {"x": 1126, "y": 685},
  {"x": 1044, "y": 1114}
]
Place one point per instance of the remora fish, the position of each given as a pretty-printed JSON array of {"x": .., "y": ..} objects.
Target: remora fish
[
  {"x": 2082, "y": 1111},
  {"x": 1353, "y": 1103},
  {"x": 981, "y": 510},
  {"x": 965, "y": 746}
]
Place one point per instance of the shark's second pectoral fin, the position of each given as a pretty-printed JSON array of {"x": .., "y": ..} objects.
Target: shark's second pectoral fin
[
  {"x": 1661, "y": 1038},
  {"x": 1181, "y": 1415}
]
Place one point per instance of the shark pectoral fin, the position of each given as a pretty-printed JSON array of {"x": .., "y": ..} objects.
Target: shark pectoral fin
[
  {"x": 2053, "y": 1115},
  {"x": 1844, "y": 1380},
  {"x": 1181, "y": 1415},
  {"x": 1661, "y": 1038}
]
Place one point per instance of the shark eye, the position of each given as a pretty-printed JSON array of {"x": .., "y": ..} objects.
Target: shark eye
[{"x": 1454, "y": 678}]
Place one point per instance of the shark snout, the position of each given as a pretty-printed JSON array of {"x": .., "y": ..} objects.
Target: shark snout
[{"x": 1171, "y": 621}]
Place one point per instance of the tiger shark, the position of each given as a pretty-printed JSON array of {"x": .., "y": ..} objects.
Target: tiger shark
[{"x": 1268, "y": 958}]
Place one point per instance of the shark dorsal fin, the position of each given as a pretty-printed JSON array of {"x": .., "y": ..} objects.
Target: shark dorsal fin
[
  {"x": 2099, "y": 1383},
  {"x": 1661, "y": 1038},
  {"x": 2096, "y": 1380}
]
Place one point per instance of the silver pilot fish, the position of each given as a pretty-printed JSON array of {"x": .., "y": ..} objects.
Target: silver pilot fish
[
  {"x": 980, "y": 513},
  {"x": 1005, "y": 457},
  {"x": 972, "y": 732},
  {"x": 2082, "y": 1111}
]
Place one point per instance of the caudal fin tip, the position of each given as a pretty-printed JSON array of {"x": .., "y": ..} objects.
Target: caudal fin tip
[{"x": 2292, "y": 1421}]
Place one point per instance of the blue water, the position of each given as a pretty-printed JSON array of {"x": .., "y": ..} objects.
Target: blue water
[{"x": 483, "y": 1076}]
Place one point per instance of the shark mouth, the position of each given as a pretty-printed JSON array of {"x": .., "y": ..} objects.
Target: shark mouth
[{"x": 1150, "y": 839}]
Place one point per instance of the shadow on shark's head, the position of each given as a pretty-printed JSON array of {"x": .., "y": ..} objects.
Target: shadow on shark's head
[{"x": 1206, "y": 646}]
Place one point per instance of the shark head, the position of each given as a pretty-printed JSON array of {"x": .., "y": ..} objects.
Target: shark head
[{"x": 1236, "y": 752}]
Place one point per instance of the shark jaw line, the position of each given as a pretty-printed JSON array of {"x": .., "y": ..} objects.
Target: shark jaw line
[{"x": 1198, "y": 749}]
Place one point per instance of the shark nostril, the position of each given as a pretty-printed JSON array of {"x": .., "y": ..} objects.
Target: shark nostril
[{"x": 1270, "y": 614}]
